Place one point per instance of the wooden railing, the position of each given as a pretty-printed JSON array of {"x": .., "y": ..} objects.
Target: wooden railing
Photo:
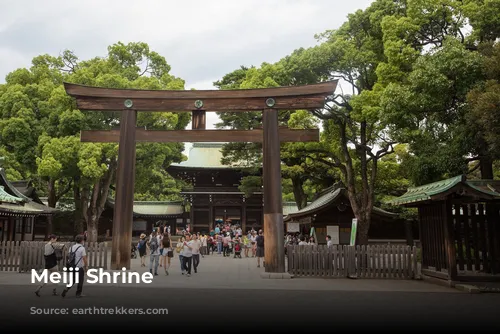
[
  {"x": 22, "y": 256},
  {"x": 354, "y": 261}
]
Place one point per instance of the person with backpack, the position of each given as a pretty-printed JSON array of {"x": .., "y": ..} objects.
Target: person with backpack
[
  {"x": 259, "y": 240},
  {"x": 52, "y": 256},
  {"x": 142, "y": 247},
  {"x": 154, "y": 247},
  {"x": 77, "y": 258}
]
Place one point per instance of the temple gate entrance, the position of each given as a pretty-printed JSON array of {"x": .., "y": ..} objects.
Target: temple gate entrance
[{"x": 267, "y": 100}]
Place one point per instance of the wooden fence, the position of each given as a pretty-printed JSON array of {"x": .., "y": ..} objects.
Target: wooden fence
[
  {"x": 22, "y": 256},
  {"x": 379, "y": 261}
]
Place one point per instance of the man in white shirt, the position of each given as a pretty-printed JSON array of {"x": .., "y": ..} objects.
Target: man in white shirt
[
  {"x": 195, "y": 250},
  {"x": 81, "y": 263},
  {"x": 187, "y": 255},
  {"x": 204, "y": 243},
  {"x": 303, "y": 241},
  {"x": 329, "y": 242}
]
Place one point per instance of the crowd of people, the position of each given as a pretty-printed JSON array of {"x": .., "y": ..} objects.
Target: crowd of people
[{"x": 227, "y": 240}]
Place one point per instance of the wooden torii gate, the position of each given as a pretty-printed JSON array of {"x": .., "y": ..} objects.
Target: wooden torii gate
[{"x": 267, "y": 100}]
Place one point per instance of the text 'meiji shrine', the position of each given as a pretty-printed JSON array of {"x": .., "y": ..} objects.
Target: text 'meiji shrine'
[{"x": 267, "y": 100}]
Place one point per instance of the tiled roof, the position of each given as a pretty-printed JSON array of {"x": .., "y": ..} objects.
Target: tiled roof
[
  {"x": 326, "y": 198},
  {"x": 484, "y": 189},
  {"x": 289, "y": 207},
  {"x": 5, "y": 197},
  {"x": 29, "y": 208},
  {"x": 14, "y": 202}
]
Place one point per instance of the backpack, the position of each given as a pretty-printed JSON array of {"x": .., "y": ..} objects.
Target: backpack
[
  {"x": 71, "y": 261},
  {"x": 260, "y": 241},
  {"x": 58, "y": 253},
  {"x": 153, "y": 244}
]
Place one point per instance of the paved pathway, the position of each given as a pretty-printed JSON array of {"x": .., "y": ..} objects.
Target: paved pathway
[
  {"x": 230, "y": 294},
  {"x": 217, "y": 272},
  {"x": 240, "y": 310}
]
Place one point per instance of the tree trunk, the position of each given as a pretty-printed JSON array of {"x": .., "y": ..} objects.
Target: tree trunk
[
  {"x": 364, "y": 221},
  {"x": 50, "y": 226},
  {"x": 92, "y": 225},
  {"x": 298, "y": 192},
  {"x": 94, "y": 200},
  {"x": 79, "y": 221},
  {"x": 51, "y": 196},
  {"x": 486, "y": 167}
]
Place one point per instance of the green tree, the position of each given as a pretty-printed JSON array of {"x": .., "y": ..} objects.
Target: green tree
[
  {"x": 302, "y": 173},
  {"x": 431, "y": 65},
  {"x": 34, "y": 99}
]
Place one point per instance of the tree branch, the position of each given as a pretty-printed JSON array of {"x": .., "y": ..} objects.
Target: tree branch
[{"x": 64, "y": 191}]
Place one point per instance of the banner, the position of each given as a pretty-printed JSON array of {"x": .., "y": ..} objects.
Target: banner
[
  {"x": 353, "y": 231},
  {"x": 292, "y": 227}
]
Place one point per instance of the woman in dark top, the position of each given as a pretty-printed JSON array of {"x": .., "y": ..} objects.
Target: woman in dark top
[
  {"x": 168, "y": 252},
  {"x": 142, "y": 246}
]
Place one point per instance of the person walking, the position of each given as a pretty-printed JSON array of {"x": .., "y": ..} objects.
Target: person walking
[
  {"x": 142, "y": 247},
  {"x": 179, "y": 247},
  {"x": 226, "y": 241},
  {"x": 219, "y": 238},
  {"x": 51, "y": 261},
  {"x": 204, "y": 243},
  {"x": 253, "y": 244},
  {"x": 187, "y": 255},
  {"x": 154, "y": 247},
  {"x": 195, "y": 250},
  {"x": 246, "y": 245},
  {"x": 78, "y": 258},
  {"x": 167, "y": 252},
  {"x": 260, "y": 248}
]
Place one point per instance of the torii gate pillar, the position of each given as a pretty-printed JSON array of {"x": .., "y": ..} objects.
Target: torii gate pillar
[
  {"x": 124, "y": 197},
  {"x": 274, "y": 248}
]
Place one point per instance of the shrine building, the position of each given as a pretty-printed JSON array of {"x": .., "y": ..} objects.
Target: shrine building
[{"x": 214, "y": 196}]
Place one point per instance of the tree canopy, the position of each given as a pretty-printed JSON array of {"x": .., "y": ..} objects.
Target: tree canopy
[{"x": 418, "y": 101}]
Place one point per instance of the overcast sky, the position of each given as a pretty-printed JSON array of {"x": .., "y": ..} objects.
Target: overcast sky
[{"x": 202, "y": 40}]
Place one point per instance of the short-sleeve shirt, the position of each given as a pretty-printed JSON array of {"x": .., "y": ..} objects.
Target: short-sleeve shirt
[
  {"x": 195, "y": 245},
  {"x": 49, "y": 249},
  {"x": 80, "y": 252},
  {"x": 187, "y": 252}
]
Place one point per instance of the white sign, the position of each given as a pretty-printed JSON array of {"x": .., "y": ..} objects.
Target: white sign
[
  {"x": 139, "y": 225},
  {"x": 333, "y": 231},
  {"x": 292, "y": 227}
]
